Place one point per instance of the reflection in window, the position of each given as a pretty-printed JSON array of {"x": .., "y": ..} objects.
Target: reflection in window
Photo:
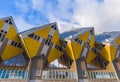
[
  {"x": 58, "y": 74},
  {"x": 13, "y": 74},
  {"x": 101, "y": 75}
]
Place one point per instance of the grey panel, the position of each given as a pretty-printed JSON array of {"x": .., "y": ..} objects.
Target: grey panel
[
  {"x": 3, "y": 46},
  {"x": 116, "y": 69},
  {"x": 40, "y": 48}
]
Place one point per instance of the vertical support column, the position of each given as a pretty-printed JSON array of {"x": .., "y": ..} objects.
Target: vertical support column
[
  {"x": 81, "y": 69},
  {"x": 38, "y": 63},
  {"x": 117, "y": 68},
  {"x": 81, "y": 64}
]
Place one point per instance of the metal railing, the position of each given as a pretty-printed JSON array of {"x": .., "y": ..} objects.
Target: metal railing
[
  {"x": 58, "y": 74},
  {"x": 101, "y": 75}
]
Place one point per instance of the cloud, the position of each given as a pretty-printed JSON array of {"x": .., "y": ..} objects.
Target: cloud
[
  {"x": 23, "y": 5},
  {"x": 21, "y": 24},
  {"x": 104, "y": 15}
]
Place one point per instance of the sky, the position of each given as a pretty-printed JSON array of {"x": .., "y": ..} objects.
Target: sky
[{"x": 103, "y": 15}]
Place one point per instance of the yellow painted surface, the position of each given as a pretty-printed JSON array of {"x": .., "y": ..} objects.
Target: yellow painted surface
[
  {"x": 117, "y": 40},
  {"x": 90, "y": 57},
  {"x": 84, "y": 36},
  {"x": 1, "y": 23},
  {"x": 77, "y": 49},
  {"x": 54, "y": 54},
  {"x": 10, "y": 51},
  {"x": 12, "y": 34},
  {"x": 32, "y": 46},
  {"x": 69, "y": 50},
  {"x": 55, "y": 36},
  {"x": 43, "y": 32},
  {"x": 24, "y": 46},
  {"x": 92, "y": 42},
  {"x": 113, "y": 51},
  {"x": 105, "y": 52}
]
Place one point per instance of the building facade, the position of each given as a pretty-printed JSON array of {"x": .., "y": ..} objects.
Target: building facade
[{"x": 42, "y": 54}]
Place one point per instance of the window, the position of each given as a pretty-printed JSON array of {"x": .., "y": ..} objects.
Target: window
[
  {"x": 18, "y": 45},
  {"x": 76, "y": 39},
  {"x": 48, "y": 41},
  {"x": 3, "y": 37},
  {"x": 38, "y": 72},
  {"x": 92, "y": 32},
  {"x": 60, "y": 48},
  {"x": 38, "y": 38},
  {"x": 64, "y": 44},
  {"x": 5, "y": 32},
  {"x": 1, "y": 30},
  {"x": 84, "y": 73},
  {"x": 57, "y": 47},
  {"x": 31, "y": 35},
  {"x": 15, "y": 44},
  {"x": 54, "y": 27},
  {"x": 12, "y": 43},
  {"x": 101, "y": 75},
  {"x": 35, "y": 37}
]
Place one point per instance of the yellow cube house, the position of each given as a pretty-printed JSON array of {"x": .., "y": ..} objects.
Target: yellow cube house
[
  {"x": 111, "y": 42},
  {"x": 43, "y": 40},
  {"x": 76, "y": 43},
  {"x": 9, "y": 42}
]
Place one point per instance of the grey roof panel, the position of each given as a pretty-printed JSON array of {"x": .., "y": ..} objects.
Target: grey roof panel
[
  {"x": 107, "y": 36},
  {"x": 73, "y": 33}
]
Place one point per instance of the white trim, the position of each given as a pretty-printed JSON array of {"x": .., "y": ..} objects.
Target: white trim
[{"x": 6, "y": 27}]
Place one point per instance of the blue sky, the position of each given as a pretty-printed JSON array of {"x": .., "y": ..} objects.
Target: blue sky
[{"x": 104, "y": 15}]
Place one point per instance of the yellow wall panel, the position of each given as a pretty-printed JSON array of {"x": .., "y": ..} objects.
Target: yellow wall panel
[
  {"x": 69, "y": 51},
  {"x": 55, "y": 37},
  {"x": 43, "y": 32},
  {"x": 77, "y": 48},
  {"x": 84, "y": 36},
  {"x": 12, "y": 34},
  {"x": 10, "y": 51},
  {"x": 92, "y": 42},
  {"x": 32, "y": 46},
  {"x": 105, "y": 52},
  {"x": 90, "y": 57},
  {"x": 117, "y": 40},
  {"x": 1, "y": 23},
  {"x": 54, "y": 54},
  {"x": 113, "y": 52}
]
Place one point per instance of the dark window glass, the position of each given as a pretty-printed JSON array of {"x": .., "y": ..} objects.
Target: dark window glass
[
  {"x": 49, "y": 43},
  {"x": 38, "y": 38},
  {"x": 15, "y": 44},
  {"x": 35, "y": 37},
  {"x": 20, "y": 45},
  {"x": 31, "y": 35},
  {"x": 12, "y": 43},
  {"x": 55, "y": 46},
  {"x": 5, "y": 32},
  {"x": 80, "y": 42},
  {"x": 60, "y": 48},
  {"x": 91, "y": 32},
  {"x": 46, "y": 41},
  {"x": 54, "y": 27},
  {"x": 76, "y": 39},
  {"x": 3, "y": 37},
  {"x": 1, "y": 30}
]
